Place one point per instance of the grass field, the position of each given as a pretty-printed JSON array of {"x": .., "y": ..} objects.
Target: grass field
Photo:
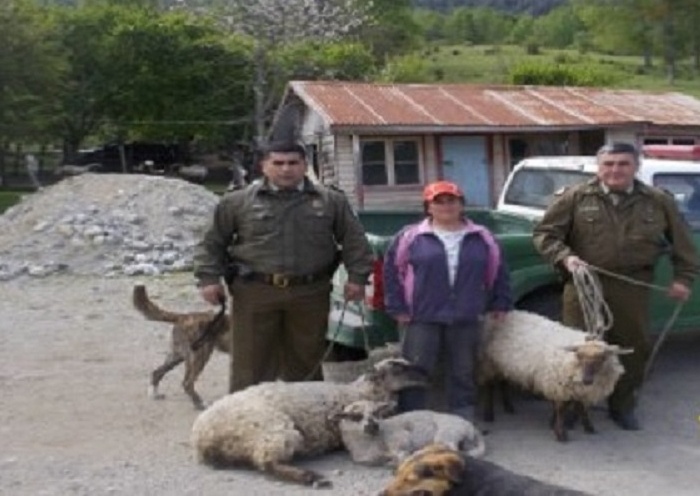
[
  {"x": 494, "y": 64},
  {"x": 9, "y": 198}
]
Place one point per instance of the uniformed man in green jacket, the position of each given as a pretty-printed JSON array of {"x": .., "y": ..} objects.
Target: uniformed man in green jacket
[
  {"x": 620, "y": 224},
  {"x": 284, "y": 237}
]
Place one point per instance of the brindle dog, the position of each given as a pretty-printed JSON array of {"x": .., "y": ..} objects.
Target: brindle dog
[{"x": 193, "y": 339}]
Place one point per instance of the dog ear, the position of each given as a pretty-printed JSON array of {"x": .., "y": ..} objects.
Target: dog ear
[{"x": 455, "y": 471}]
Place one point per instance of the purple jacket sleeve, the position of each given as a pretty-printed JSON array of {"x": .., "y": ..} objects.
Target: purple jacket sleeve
[
  {"x": 501, "y": 294},
  {"x": 394, "y": 299}
]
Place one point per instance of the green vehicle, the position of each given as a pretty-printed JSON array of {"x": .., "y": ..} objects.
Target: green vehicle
[{"x": 536, "y": 286}]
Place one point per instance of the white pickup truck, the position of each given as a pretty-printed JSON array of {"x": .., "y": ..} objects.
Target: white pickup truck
[{"x": 534, "y": 181}]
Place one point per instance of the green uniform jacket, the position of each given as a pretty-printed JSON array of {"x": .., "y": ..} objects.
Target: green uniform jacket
[
  {"x": 284, "y": 232},
  {"x": 631, "y": 236}
]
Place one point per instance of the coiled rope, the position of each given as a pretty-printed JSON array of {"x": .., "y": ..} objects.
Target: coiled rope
[{"x": 596, "y": 313}]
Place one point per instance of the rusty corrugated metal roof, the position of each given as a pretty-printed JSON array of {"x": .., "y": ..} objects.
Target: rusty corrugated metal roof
[{"x": 461, "y": 105}]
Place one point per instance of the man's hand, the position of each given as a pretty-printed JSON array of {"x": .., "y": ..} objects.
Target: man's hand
[
  {"x": 572, "y": 262},
  {"x": 354, "y": 292},
  {"x": 678, "y": 291},
  {"x": 213, "y": 293}
]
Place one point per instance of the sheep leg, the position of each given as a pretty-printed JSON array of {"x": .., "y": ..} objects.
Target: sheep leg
[
  {"x": 504, "y": 387},
  {"x": 571, "y": 414},
  {"x": 585, "y": 418},
  {"x": 558, "y": 421},
  {"x": 297, "y": 475},
  {"x": 487, "y": 397}
]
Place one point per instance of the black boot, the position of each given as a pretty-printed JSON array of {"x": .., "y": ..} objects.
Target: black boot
[{"x": 626, "y": 420}]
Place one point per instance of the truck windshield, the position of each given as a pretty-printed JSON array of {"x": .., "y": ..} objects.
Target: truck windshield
[
  {"x": 536, "y": 187},
  {"x": 685, "y": 188}
]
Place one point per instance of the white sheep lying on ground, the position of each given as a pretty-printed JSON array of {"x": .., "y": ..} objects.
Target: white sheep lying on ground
[
  {"x": 372, "y": 438},
  {"x": 267, "y": 425},
  {"x": 553, "y": 360}
]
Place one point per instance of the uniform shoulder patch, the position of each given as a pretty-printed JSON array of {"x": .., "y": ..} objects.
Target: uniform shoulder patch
[
  {"x": 666, "y": 192},
  {"x": 334, "y": 187},
  {"x": 235, "y": 187}
]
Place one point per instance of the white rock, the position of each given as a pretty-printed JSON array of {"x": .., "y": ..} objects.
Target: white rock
[
  {"x": 92, "y": 231},
  {"x": 64, "y": 229},
  {"x": 41, "y": 226}
]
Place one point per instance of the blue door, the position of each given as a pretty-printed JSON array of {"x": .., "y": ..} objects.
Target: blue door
[{"x": 464, "y": 163}]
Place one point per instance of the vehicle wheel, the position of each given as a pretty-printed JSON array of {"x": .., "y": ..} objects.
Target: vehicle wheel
[{"x": 545, "y": 302}]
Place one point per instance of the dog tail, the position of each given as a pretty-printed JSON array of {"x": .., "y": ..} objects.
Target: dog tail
[{"x": 150, "y": 310}]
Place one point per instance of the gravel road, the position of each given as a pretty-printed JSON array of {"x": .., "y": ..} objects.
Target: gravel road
[{"x": 75, "y": 359}]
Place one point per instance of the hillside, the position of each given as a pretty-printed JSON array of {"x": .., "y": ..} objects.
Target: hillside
[
  {"x": 494, "y": 64},
  {"x": 534, "y": 7}
]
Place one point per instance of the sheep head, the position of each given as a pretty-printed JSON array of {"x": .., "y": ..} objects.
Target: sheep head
[
  {"x": 367, "y": 413},
  {"x": 392, "y": 375},
  {"x": 592, "y": 354}
]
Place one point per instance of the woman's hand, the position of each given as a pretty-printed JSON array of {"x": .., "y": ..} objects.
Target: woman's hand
[
  {"x": 403, "y": 319},
  {"x": 497, "y": 315}
]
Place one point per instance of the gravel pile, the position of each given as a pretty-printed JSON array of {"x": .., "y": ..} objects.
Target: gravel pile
[{"x": 105, "y": 224}]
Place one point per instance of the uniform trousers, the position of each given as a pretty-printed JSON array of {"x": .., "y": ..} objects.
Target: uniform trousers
[{"x": 278, "y": 333}]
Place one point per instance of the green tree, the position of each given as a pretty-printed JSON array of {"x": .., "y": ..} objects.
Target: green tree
[
  {"x": 29, "y": 65},
  {"x": 461, "y": 27},
  {"x": 391, "y": 29},
  {"x": 558, "y": 28},
  {"x": 136, "y": 72},
  {"x": 431, "y": 24}
]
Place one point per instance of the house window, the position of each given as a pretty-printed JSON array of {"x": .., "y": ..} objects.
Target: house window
[
  {"x": 669, "y": 141},
  {"x": 390, "y": 162},
  {"x": 374, "y": 167}
]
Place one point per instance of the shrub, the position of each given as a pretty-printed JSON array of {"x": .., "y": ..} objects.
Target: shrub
[
  {"x": 558, "y": 75},
  {"x": 532, "y": 49}
]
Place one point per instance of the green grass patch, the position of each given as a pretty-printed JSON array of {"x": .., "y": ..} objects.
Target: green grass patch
[
  {"x": 496, "y": 64},
  {"x": 218, "y": 188},
  {"x": 9, "y": 198}
]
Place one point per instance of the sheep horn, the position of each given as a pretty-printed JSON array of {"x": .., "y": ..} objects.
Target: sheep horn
[{"x": 615, "y": 349}]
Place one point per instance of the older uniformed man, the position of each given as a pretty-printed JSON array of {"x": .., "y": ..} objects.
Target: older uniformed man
[
  {"x": 620, "y": 224},
  {"x": 282, "y": 234}
]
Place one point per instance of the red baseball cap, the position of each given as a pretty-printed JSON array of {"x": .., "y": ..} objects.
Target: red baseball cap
[{"x": 441, "y": 188}]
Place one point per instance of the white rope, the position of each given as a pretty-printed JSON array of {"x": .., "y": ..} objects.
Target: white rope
[
  {"x": 584, "y": 274},
  {"x": 596, "y": 313}
]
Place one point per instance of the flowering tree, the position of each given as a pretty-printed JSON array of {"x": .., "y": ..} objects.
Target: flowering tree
[{"x": 275, "y": 24}]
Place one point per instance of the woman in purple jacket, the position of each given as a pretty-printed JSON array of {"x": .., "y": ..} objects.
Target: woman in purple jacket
[{"x": 441, "y": 277}]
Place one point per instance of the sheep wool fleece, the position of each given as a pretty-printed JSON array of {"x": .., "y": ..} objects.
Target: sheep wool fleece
[{"x": 629, "y": 330}]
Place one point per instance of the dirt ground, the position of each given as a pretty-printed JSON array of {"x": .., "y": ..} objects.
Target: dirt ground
[{"x": 75, "y": 359}]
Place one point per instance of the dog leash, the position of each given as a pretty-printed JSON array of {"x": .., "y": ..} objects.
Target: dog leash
[
  {"x": 211, "y": 326},
  {"x": 331, "y": 343}
]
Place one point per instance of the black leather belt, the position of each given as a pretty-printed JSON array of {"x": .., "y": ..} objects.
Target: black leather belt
[{"x": 285, "y": 281}]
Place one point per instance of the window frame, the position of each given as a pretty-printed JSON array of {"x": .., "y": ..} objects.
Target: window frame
[
  {"x": 669, "y": 140},
  {"x": 391, "y": 163}
]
